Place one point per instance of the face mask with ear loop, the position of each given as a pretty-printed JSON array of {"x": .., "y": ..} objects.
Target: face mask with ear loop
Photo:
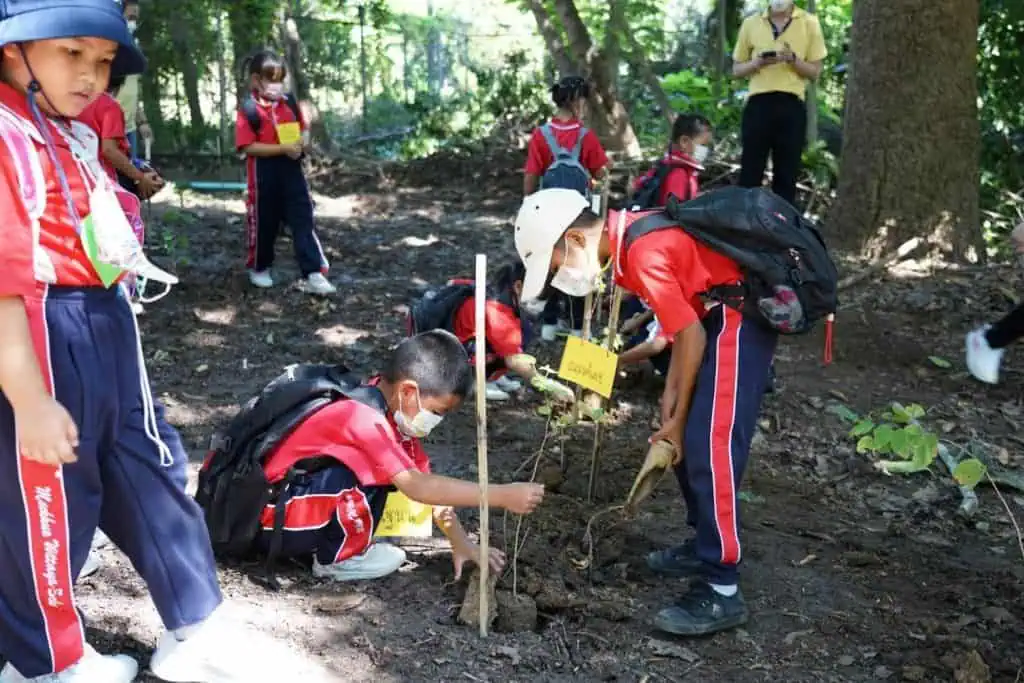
[
  {"x": 421, "y": 424},
  {"x": 577, "y": 282}
]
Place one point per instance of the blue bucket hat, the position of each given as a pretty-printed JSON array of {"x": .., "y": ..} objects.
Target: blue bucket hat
[{"x": 22, "y": 21}]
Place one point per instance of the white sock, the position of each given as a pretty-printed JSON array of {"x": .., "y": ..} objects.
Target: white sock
[{"x": 727, "y": 591}]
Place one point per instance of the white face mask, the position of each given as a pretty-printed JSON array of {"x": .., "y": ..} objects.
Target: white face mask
[
  {"x": 419, "y": 426},
  {"x": 573, "y": 281},
  {"x": 133, "y": 26},
  {"x": 273, "y": 91},
  {"x": 700, "y": 153},
  {"x": 780, "y": 5}
]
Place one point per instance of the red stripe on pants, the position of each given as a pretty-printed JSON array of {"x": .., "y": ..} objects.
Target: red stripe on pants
[
  {"x": 723, "y": 418},
  {"x": 42, "y": 490}
]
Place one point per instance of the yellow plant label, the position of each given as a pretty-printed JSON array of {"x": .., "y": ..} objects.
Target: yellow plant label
[
  {"x": 405, "y": 517},
  {"x": 589, "y": 365}
]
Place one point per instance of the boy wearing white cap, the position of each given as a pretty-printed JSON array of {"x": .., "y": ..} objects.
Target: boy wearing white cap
[{"x": 713, "y": 388}]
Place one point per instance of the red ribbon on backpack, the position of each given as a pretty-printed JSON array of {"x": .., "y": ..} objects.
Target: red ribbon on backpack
[{"x": 829, "y": 321}]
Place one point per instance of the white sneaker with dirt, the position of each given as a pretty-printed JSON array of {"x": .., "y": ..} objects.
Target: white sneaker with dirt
[
  {"x": 495, "y": 393},
  {"x": 316, "y": 283},
  {"x": 379, "y": 560},
  {"x": 982, "y": 360},
  {"x": 91, "y": 566},
  {"x": 507, "y": 384},
  {"x": 261, "y": 279},
  {"x": 91, "y": 668}
]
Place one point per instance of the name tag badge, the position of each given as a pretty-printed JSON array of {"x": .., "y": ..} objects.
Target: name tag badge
[
  {"x": 289, "y": 133},
  {"x": 589, "y": 365}
]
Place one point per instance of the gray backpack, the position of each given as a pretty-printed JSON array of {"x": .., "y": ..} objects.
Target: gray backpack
[{"x": 567, "y": 171}]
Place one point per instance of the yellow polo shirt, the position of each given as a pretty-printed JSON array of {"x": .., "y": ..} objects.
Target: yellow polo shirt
[
  {"x": 128, "y": 98},
  {"x": 802, "y": 36}
]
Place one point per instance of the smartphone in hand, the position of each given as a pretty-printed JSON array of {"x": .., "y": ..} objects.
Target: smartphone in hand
[{"x": 769, "y": 54}]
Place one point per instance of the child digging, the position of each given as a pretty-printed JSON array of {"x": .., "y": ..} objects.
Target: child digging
[
  {"x": 270, "y": 131},
  {"x": 362, "y": 449},
  {"x": 716, "y": 377},
  {"x": 82, "y": 442}
]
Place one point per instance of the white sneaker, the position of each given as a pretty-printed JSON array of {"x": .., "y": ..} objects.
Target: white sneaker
[
  {"x": 982, "y": 360},
  {"x": 261, "y": 279},
  {"x": 91, "y": 566},
  {"x": 317, "y": 284},
  {"x": 494, "y": 393},
  {"x": 91, "y": 668},
  {"x": 380, "y": 559},
  {"x": 224, "y": 649},
  {"x": 507, "y": 384}
]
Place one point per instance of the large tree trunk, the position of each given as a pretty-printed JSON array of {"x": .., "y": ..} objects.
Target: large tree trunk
[{"x": 911, "y": 140}]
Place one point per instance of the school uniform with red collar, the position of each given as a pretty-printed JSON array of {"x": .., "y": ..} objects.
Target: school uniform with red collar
[
  {"x": 130, "y": 462},
  {"x": 333, "y": 512},
  {"x": 277, "y": 191},
  {"x": 671, "y": 271},
  {"x": 503, "y": 330},
  {"x": 682, "y": 181}
]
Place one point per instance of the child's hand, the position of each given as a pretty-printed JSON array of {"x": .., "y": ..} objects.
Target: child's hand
[
  {"x": 149, "y": 185},
  {"x": 46, "y": 432},
  {"x": 521, "y": 498},
  {"x": 293, "y": 151},
  {"x": 471, "y": 553},
  {"x": 557, "y": 390}
]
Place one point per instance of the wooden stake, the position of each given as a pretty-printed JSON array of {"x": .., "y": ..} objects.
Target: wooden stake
[{"x": 481, "y": 436}]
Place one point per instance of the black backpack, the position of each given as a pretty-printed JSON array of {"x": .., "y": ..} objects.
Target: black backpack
[
  {"x": 436, "y": 309},
  {"x": 566, "y": 171},
  {"x": 789, "y": 279},
  {"x": 646, "y": 196},
  {"x": 252, "y": 111},
  {"x": 233, "y": 488}
]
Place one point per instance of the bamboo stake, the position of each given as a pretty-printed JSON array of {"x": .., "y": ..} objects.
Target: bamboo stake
[{"x": 481, "y": 437}]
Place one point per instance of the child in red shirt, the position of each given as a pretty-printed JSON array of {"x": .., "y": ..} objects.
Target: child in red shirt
[
  {"x": 678, "y": 173},
  {"x": 277, "y": 188},
  {"x": 716, "y": 378},
  {"x": 106, "y": 118},
  {"x": 565, "y": 128}
]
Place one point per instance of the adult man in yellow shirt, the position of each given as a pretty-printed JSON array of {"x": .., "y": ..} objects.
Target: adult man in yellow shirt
[
  {"x": 135, "y": 123},
  {"x": 780, "y": 50}
]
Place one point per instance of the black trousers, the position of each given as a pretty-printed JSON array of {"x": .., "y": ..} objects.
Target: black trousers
[
  {"x": 570, "y": 308},
  {"x": 775, "y": 124},
  {"x": 1009, "y": 329}
]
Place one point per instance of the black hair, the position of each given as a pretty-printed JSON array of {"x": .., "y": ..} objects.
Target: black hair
[
  {"x": 125, "y": 3},
  {"x": 508, "y": 275},
  {"x": 690, "y": 125},
  {"x": 436, "y": 361},
  {"x": 586, "y": 219},
  {"x": 267, "y": 64},
  {"x": 568, "y": 90},
  {"x": 115, "y": 83}
]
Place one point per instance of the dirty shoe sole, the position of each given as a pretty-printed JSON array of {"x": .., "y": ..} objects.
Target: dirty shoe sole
[{"x": 664, "y": 621}]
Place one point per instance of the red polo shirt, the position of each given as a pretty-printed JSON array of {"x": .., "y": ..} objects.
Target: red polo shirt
[
  {"x": 502, "y": 327},
  {"x": 669, "y": 270},
  {"x": 683, "y": 180},
  {"x": 356, "y": 435},
  {"x": 52, "y": 254},
  {"x": 271, "y": 114},
  {"x": 567, "y": 133},
  {"x": 106, "y": 118}
]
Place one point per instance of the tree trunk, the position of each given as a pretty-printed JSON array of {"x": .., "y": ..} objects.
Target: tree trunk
[
  {"x": 291, "y": 38},
  {"x": 557, "y": 48},
  {"x": 812, "y": 96},
  {"x": 910, "y": 147},
  {"x": 189, "y": 71}
]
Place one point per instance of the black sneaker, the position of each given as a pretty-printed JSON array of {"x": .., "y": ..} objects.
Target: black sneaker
[
  {"x": 679, "y": 561},
  {"x": 702, "y": 611}
]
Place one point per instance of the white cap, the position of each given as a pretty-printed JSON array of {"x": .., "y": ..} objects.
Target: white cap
[{"x": 543, "y": 219}]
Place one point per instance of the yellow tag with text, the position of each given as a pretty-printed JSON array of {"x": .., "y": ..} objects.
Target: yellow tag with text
[
  {"x": 589, "y": 365},
  {"x": 289, "y": 133},
  {"x": 405, "y": 517}
]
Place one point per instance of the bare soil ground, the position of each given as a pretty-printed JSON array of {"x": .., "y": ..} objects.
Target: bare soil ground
[{"x": 849, "y": 575}]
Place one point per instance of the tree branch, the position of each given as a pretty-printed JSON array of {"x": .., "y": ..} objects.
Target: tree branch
[
  {"x": 580, "y": 45},
  {"x": 639, "y": 62},
  {"x": 552, "y": 38}
]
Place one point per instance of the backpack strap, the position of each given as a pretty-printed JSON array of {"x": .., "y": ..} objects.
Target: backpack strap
[
  {"x": 645, "y": 226},
  {"x": 549, "y": 137},
  {"x": 252, "y": 114},
  {"x": 577, "y": 150}
]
